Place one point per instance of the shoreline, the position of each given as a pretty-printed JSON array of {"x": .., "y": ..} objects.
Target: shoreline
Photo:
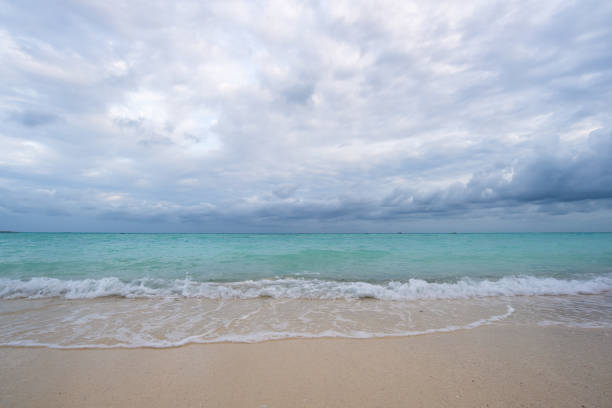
[
  {"x": 498, "y": 365},
  {"x": 374, "y": 336}
]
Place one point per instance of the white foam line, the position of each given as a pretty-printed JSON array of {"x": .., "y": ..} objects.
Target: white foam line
[{"x": 259, "y": 337}]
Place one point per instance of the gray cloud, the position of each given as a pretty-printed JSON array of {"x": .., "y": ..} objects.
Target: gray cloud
[
  {"x": 33, "y": 119},
  {"x": 305, "y": 116}
]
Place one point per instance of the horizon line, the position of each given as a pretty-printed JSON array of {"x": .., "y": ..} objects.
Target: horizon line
[{"x": 305, "y": 233}]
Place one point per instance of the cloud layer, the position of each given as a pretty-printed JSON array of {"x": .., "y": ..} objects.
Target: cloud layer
[{"x": 293, "y": 116}]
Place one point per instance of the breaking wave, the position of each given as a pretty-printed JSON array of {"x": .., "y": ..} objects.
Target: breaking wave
[{"x": 413, "y": 289}]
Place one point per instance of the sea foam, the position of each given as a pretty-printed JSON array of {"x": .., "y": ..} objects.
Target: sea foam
[
  {"x": 413, "y": 289},
  {"x": 136, "y": 340}
]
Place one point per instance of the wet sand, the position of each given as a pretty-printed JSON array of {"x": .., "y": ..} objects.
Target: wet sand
[{"x": 492, "y": 366}]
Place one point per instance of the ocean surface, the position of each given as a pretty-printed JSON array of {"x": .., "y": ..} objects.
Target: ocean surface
[{"x": 72, "y": 290}]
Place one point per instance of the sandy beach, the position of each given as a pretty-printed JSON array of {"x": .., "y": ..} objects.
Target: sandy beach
[{"x": 492, "y": 366}]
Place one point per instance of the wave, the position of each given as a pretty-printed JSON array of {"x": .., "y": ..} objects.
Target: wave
[
  {"x": 260, "y": 336},
  {"x": 413, "y": 289}
]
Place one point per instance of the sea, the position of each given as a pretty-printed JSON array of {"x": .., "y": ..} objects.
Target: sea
[{"x": 82, "y": 290}]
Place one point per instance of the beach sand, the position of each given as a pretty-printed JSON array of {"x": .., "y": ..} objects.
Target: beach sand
[{"x": 492, "y": 366}]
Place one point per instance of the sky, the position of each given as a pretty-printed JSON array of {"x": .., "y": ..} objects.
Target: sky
[{"x": 282, "y": 116}]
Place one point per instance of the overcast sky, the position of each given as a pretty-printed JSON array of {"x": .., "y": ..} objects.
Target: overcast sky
[{"x": 305, "y": 116}]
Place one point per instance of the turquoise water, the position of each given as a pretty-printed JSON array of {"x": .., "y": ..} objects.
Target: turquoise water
[
  {"x": 164, "y": 290},
  {"x": 341, "y": 257}
]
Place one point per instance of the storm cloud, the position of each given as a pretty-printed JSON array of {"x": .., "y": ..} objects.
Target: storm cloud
[{"x": 305, "y": 116}]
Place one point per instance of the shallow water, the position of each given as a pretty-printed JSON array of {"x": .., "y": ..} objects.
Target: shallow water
[{"x": 163, "y": 290}]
